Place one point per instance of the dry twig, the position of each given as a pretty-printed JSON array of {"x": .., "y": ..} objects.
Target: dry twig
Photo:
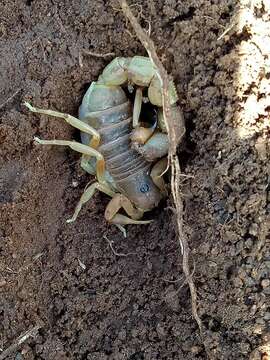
[
  {"x": 20, "y": 340},
  {"x": 173, "y": 126}
]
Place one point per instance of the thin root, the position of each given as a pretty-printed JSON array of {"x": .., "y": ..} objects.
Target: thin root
[
  {"x": 98, "y": 55},
  {"x": 94, "y": 54},
  {"x": 172, "y": 156},
  {"x": 110, "y": 242},
  {"x": 174, "y": 293},
  {"x": 173, "y": 281}
]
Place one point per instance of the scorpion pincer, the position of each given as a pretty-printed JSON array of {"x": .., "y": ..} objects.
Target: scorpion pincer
[{"x": 115, "y": 146}]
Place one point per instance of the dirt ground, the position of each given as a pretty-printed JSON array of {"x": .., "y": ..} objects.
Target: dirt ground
[{"x": 88, "y": 302}]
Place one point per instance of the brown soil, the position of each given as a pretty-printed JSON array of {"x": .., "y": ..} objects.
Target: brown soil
[{"x": 90, "y": 303}]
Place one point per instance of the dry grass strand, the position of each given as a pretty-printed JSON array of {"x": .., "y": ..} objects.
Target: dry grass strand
[{"x": 20, "y": 340}]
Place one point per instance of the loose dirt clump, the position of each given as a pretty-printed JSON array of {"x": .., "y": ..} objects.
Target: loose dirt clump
[{"x": 89, "y": 302}]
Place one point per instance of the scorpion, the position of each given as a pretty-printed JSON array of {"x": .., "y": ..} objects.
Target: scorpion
[{"x": 116, "y": 146}]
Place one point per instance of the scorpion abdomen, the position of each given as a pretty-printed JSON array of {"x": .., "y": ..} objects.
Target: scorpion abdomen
[{"x": 107, "y": 109}]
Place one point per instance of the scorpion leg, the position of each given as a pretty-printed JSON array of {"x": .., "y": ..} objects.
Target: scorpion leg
[
  {"x": 137, "y": 107},
  {"x": 156, "y": 174},
  {"x": 83, "y": 149},
  {"x": 78, "y": 124},
  {"x": 87, "y": 165},
  {"x": 86, "y": 196},
  {"x": 120, "y": 201}
]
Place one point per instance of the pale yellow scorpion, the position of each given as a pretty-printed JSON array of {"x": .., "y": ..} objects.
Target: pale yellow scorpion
[{"x": 116, "y": 147}]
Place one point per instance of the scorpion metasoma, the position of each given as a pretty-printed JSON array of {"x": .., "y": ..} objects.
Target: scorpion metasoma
[{"x": 115, "y": 144}]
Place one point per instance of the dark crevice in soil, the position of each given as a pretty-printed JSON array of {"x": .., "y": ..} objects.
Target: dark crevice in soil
[
  {"x": 187, "y": 149},
  {"x": 183, "y": 17},
  {"x": 245, "y": 35}
]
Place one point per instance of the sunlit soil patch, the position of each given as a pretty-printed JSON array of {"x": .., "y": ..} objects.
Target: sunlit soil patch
[{"x": 253, "y": 82}]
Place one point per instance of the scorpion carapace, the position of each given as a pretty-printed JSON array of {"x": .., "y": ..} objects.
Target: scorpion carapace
[
  {"x": 113, "y": 120},
  {"x": 115, "y": 146}
]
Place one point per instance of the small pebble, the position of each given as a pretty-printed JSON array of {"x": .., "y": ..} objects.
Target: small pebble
[
  {"x": 75, "y": 183},
  {"x": 253, "y": 230},
  {"x": 172, "y": 299},
  {"x": 260, "y": 321},
  {"x": 2, "y": 282},
  {"x": 266, "y": 291},
  {"x": 265, "y": 283},
  {"x": 122, "y": 335},
  {"x": 196, "y": 349},
  {"x": 237, "y": 282},
  {"x": 18, "y": 356},
  {"x": 258, "y": 329},
  {"x": 160, "y": 330},
  {"x": 249, "y": 281},
  {"x": 255, "y": 355},
  {"x": 266, "y": 337},
  {"x": 261, "y": 148},
  {"x": 245, "y": 348},
  {"x": 249, "y": 243}
]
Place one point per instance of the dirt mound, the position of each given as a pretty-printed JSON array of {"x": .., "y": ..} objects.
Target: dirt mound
[{"x": 90, "y": 302}]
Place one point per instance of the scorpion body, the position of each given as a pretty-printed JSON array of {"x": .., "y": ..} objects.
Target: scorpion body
[
  {"x": 116, "y": 148},
  {"x": 113, "y": 120}
]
